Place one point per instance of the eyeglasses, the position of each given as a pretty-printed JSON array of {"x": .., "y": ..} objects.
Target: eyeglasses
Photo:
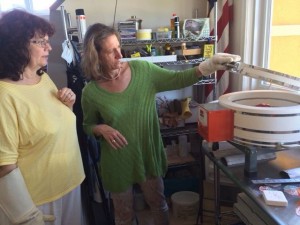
[{"x": 42, "y": 43}]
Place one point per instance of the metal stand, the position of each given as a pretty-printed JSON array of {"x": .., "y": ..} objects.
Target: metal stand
[{"x": 250, "y": 169}]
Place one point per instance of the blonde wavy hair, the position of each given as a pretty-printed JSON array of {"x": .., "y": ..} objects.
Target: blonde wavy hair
[{"x": 92, "y": 47}]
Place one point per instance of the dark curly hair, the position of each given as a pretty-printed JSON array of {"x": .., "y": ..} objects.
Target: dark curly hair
[{"x": 17, "y": 27}]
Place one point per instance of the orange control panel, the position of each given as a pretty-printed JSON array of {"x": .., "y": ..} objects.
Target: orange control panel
[{"x": 215, "y": 123}]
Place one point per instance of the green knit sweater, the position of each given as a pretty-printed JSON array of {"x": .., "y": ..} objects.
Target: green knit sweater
[{"x": 133, "y": 113}]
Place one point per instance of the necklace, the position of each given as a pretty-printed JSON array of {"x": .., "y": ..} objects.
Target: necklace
[
  {"x": 34, "y": 79},
  {"x": 114, "y": 77}
]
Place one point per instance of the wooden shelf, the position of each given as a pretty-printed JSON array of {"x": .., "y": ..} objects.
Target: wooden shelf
[{"x": 177, "y": 160}]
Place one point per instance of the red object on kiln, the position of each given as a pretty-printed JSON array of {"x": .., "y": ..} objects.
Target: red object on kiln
[{"x": 215, "y": 123}]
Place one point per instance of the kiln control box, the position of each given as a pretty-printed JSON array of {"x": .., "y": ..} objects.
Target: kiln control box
[{"x": 215, "y": 123}]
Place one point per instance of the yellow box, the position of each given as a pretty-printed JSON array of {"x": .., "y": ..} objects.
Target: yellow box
[{"x": 208, "y": 51}]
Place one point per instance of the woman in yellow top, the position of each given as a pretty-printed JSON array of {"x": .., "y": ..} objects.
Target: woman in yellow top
[{"x": 40, "y": 163}]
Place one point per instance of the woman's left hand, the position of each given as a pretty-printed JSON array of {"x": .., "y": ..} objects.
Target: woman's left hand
[{"x": 66, "y": 96}]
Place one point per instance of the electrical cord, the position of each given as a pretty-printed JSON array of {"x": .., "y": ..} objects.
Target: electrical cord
[{"x": 115, "y": 13}]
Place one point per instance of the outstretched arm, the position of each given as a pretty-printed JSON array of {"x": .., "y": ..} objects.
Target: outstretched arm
[{"x": 217, "y": 62}]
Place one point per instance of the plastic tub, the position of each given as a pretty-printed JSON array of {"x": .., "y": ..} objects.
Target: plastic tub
[
  {"x": 162, "y": 35},
  {"x": 143, "y": 34},
  {"x": 185, "y": 204}
]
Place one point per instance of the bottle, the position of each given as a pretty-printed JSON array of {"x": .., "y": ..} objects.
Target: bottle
[
  {"x": 183, "y": 146},
  {"x": 153, "y": 51},
  {"x": 172, "y": 24},
  {"x": 176, "y": 27},
  {"x": 160, "y": 50},
  {"x": 168, "y": 49},
  {"x": 81, "y": 24}
]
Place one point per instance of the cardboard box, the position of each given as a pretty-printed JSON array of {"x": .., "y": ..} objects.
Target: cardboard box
[{"x": 215, "y": 123}]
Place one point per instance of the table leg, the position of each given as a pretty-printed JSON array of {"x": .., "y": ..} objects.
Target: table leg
[{"x": 217, "y": 195}]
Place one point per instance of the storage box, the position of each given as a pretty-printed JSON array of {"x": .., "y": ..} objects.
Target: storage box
[
  {"x": 215, "y": 123},
  {"x": 127, "y": 30},
  {"x": 190, "y": 51},
  {"x": 159, "y": 35}
]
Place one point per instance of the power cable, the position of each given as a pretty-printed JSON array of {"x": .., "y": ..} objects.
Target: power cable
[{"x": 115, "y": 13}]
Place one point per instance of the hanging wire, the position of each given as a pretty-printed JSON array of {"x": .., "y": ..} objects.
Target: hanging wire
[{"x": 115, "y": 13}]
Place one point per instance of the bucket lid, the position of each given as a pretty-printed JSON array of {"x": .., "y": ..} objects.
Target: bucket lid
[{"x": 185, "y": 197}]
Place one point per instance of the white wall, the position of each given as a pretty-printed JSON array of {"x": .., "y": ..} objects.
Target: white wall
[{"x": 154, "y": 13}]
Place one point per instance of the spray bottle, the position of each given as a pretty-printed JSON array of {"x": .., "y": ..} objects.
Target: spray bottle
[{"x": 81, "y": 24}]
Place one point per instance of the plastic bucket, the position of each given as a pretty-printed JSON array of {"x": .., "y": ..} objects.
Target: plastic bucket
[{"x": 185, "y": 204}]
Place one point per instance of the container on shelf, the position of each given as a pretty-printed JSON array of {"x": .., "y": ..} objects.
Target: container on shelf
[
  {"x": 137, "y": 22},
  {"x": 176, "y": 28},
  {"x": 127, "y": 30},
  {"x": 196, "y": 28},
  {"x": 159, "y": 35},
  {"x": 182, "y": 146},
  {"x": 174, "y": 24},
  {"x": 143, "y": 34},
  {"x": 81, "y": 24}
]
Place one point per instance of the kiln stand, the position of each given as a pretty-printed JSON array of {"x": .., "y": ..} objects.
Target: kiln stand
[{"x": 251, "y": 155}]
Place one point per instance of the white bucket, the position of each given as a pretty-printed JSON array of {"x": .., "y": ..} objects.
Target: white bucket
[{"x": 185, "y": 204}]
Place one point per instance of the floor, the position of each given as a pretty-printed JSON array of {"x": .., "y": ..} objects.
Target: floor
[
  {"x": 228, "y": 217},
  {"x": 144, "y": 218}
]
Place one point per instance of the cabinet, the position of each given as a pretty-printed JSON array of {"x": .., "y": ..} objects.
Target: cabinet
[{"x": 181, "y": 59}]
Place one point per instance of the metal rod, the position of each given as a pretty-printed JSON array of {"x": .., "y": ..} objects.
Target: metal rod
[
  {"x": 216, "y": 44},
  {"x": 62, "y": 10}
]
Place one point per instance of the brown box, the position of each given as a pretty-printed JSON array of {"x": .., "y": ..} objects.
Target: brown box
[{"x": 191, "y": 51}]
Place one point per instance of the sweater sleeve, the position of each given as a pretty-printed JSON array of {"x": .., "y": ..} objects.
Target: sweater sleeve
[{"x": 165, "y": 79}]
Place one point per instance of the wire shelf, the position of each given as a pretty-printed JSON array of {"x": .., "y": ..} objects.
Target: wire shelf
[{"x": 162, "y": 41}]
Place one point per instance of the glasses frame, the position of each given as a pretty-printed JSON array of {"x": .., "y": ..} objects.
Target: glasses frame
[{"x": 41, "y": 43}]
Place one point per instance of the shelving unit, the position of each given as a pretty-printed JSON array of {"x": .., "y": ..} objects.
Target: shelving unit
[
  {"x": 164, "y": 41},
  {"x": 196, "y": 61},
  {"x": 188, "y": 129}
]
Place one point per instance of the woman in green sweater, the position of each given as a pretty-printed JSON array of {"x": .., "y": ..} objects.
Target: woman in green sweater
[{"x": 119, "y": 107}]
